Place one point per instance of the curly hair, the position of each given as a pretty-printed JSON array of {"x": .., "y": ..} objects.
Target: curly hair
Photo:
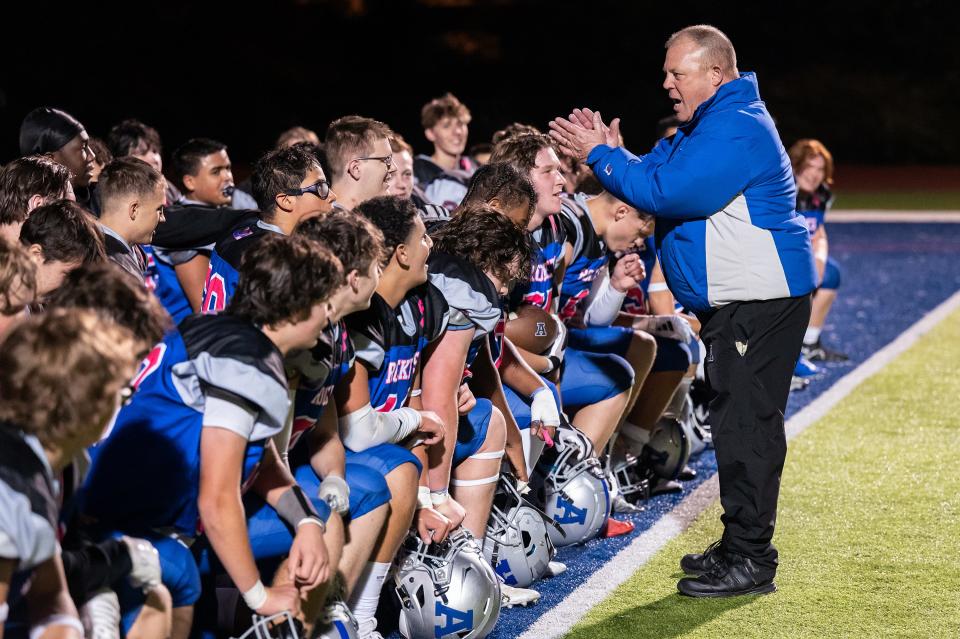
[
  {"x": 487, "y": 239},
  {"x": 393, "y": 216},
  {"x": 353, "y": 238},
  {"x": 502, "y": 182},
  {"x": 521, "y": 150},
  {"x": 18, "y": 274},
  {"x": 511, "y": 130},
  {"x": 113, "y": 293},
  {"x": 66, "y": 232},
  {"x": 25, "y": 177},
  {"x": 61, "y": 373},
  {"x": 282, "y": 278}
]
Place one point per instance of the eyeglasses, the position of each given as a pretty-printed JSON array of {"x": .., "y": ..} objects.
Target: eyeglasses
[
  {"x": 386, "y": 159},
  {"x": 321, "y": 189}
]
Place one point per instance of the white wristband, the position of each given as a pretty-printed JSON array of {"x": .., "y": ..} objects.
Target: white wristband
[
  {"x": 316, "y": 521},
  {"x": 423, "y": 498},
  {"x": 256, "y": 596},
  {"x": 438, "y": 497},
  {"x": 38, "y": 629}
]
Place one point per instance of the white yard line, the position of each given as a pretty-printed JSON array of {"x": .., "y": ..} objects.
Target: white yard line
[
  {"x": 866, "y": 215},
  {"x": 560, "y": 619}
]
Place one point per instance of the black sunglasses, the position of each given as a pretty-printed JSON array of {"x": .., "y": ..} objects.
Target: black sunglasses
[{"x": 321, "y": 189}]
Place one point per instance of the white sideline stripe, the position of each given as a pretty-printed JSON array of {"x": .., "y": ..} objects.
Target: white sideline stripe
[
  {"x": 875, "y": 215},
  {"x": 559, "y": 620}
]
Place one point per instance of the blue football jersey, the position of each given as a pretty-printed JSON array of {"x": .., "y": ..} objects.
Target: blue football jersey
[
  {"x": 548, "y": 240},
  {"x": 814, "y": 206},
  {"x": 389, "y": 341},
  {"x": 225, "y": 260},
  {"x": 321, "y": 369},
  {"x": 145, "y": 475},
  {"x": 589, "y": 255},
  {"x": 161, "y": 278}
]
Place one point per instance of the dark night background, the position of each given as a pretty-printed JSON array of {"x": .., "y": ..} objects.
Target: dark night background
[{"x": 877, "y": 82}]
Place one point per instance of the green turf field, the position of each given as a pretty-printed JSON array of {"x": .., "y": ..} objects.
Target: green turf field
[
  {"x": 898, "y": 200},
  {"x": 869, "y": 527}
]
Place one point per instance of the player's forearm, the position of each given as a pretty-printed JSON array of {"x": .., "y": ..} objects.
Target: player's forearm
[
  {"x": 516, "y": 373},
  {"x": 328, "y": 457},
  {"x": 273, "y": 477},
  {"x": 225, "y": 526}
]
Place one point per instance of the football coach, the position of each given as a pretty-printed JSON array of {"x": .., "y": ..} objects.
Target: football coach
[{"x": 735, "y": 253}]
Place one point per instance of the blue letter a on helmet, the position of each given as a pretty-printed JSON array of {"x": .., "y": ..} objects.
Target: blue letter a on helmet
[
  {"x": 571, "y": 514},
  {"x": 503, "y": 569},
  {"x": 457, "y": 620}
]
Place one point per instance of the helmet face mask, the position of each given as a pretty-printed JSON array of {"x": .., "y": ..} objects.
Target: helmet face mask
[
  {"x": 570, "y": 483},
  {"x": 517, "y": 542},
  {"x": 279, "y": 626},
  {"x": 446, "y": 590}
]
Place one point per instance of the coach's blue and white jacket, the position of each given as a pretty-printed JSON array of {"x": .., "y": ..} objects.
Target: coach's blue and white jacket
[{"x": 723, "y": 193}]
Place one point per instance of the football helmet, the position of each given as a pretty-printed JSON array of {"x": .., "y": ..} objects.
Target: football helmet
[
  {"x": 668, "y": 450},
  {"x": 570, "y": 482},
  {"x": 447, "y": 590},
  {"x": 517, "y": 543}
]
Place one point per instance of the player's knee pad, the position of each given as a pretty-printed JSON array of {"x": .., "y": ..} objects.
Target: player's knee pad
[
  {"x": 368, "y": 489},
  {"x": 831, "y": 275},
  {"x": 671, "y": 356},
  {"x": 589, "y": 378}
]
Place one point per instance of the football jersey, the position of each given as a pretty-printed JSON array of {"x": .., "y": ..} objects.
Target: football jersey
[
  {"x": 446, "y": 188},
  {"x": 160, "y": 277},
  {"x": 548, "y": 240},
  {"x": 225, "y": 260},
  {"x": 321, "y": 369},
  {"x": 389, "y": 341},
  {"x": 145, "y": 475},
  {"x": 814, "y": 206},
  {"x": 589, "y": 255},
  {"x": 433, "y": 215},
  {"x": 636, "y": 299},
  {"x": 471, "y": 296}
]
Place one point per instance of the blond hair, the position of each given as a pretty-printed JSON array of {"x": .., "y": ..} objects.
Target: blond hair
[{"x": 717, "y": 49}]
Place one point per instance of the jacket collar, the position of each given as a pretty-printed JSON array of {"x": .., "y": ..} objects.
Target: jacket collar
[{"x": 743, "y": 90}]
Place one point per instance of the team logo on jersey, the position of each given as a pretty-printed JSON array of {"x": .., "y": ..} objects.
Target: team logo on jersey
[
  {"x": 246, "y": 231},
  {"x": 457, "y": 620},
  {"x": 401, "y": 370}
]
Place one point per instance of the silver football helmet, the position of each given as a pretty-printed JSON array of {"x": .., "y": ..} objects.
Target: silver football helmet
[
  {"x": 446, "y": 590},
  {"x": 668, "y": 450},
  {"x": 571, "y": 484},
  {"x": 279, "y": 626},
  {"x": 631, "y": 481},
  {"x": 517, "y": 543}
]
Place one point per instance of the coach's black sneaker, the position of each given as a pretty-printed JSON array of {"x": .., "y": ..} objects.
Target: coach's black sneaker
[
  {"x": 697, "y": 564},
  {"x": 731, "y": 576},
  {"x": 819, "y": 352}
]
